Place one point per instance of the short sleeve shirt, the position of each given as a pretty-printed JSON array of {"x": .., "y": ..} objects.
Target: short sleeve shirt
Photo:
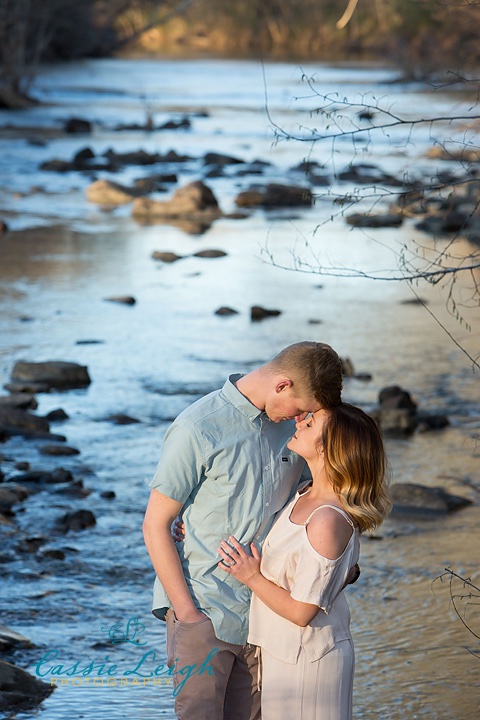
[{"x": 228, "y": 463}]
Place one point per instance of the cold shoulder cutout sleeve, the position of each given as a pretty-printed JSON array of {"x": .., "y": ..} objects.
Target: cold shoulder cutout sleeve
[{"x": 317, "y": 579}]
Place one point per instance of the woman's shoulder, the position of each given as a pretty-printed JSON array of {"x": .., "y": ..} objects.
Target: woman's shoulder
[{"x": 329, "y": 531}]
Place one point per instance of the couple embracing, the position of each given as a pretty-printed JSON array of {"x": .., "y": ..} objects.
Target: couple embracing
[{"x": 274, "y": 478}]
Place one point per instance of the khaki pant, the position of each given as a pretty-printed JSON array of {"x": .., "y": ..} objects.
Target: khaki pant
[{"x": 213, "y": 680}]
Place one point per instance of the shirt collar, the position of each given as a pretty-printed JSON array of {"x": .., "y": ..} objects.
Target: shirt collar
[{"x": 238, "y": 400}]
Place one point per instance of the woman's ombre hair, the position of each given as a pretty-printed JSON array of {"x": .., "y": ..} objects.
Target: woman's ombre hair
[{"x": 356, "y": 464}]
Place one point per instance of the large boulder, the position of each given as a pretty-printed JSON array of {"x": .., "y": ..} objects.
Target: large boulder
[
  {"x": 78, "y": 126},
  {"x": 465, "y": 155},
  {"x": 77, "y": 520},
  {"x": 424, "y": 500},
  {"x": 193, "y": 201},
  {"x": 374, "y": 220},
  {"x": 83, "y": 160},
  {"x": 212, "y": 158},
  {"x": 397, "y": 413},
  {"x": 39, "y": 478},
  {"x": 19, "y": 690},
  {"x": 137, "y": 157},
  {"x": 106, "y": 192},
  {"x": 21, "y": 401},
  {"x": 450, "y": 208},
  {"x": 11, "y": 494},
  {"x": 275, "y": 195},
  {"x": 57, "y": 450},
  {"x": 15, "y": 421},
  {"x": 366, "y": 174},
  {"x": 15, "y": 418},
  {"x": 55, "y": 374}
]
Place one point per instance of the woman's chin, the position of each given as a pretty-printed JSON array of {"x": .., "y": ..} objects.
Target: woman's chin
[{"x": 291, "y": 445}]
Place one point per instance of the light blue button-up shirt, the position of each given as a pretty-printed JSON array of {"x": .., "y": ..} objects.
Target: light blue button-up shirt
[{"x": 230, "y": 467}]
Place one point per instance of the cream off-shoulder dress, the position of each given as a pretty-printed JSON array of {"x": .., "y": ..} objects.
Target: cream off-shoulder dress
[{"x": 306, "y": 672}]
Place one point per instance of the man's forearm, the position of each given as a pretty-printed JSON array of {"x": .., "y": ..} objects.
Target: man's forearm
[{"x": 165, "y": 559}]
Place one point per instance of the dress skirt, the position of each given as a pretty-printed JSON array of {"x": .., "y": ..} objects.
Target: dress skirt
[{"x": 320, "y": 690}]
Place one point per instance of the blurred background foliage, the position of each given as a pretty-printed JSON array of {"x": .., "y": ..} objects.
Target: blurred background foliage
[{"x": 421, "y": 37}]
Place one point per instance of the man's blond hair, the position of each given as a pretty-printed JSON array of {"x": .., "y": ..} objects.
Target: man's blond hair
[{"x": 315, "y": 370}]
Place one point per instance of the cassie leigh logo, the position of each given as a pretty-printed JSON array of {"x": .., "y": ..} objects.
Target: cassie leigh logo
[{"x": 144, "y": 670}]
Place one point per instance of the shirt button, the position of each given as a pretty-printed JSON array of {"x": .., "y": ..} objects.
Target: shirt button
[
  {"x": 267, "y": 504},
  {"x": 267, "y": 467}
]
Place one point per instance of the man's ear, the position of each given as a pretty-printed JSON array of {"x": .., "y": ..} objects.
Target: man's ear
[{"x": 283, "y": 384}]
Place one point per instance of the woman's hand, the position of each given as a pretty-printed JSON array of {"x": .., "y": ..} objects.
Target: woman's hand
[{"x": 237, "y": 562}]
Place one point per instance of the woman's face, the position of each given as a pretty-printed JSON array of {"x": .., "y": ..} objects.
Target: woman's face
[{"x": 307, "y": 435}]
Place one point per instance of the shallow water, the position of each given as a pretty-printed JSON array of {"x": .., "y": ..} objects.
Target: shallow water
[{"x": 154, "y": 358}]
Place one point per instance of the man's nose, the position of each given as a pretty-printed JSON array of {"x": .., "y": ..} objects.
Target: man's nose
[{"x": 300, "y": 418}]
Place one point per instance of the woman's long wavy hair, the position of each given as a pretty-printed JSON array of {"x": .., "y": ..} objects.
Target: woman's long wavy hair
[{"x": 356, "y": 464}]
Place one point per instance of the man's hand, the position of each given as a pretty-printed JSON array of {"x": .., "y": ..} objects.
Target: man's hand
[
  {"x": 353, "y": 575},
  {"x": 178, "y": 530},
  {"x": 191, "y": 616}
]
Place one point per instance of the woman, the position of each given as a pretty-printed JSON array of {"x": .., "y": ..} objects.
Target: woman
[{"x": 299, "y": 617}]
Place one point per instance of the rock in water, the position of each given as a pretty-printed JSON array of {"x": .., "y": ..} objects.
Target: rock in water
[
  {"x": 275, "y": 195},
  {"x": 54, "y": 374},
  {"x": 397, "y": 414},
  {"x": 10, "y": 638},
  {"x": 19, "y": 690},
  {"x": 107, "y": 192},
  {"x": 195, "y": 200},
  {"x": 424, "y": 500},
  {"x": 78, "y": 520},
  {"x": 258, "y": 313}
]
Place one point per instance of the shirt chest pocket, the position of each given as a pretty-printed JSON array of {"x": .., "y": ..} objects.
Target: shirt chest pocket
[{"x": 278, "y": 548}]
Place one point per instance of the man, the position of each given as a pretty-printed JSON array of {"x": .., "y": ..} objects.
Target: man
[{"x": 226, "y": 468}]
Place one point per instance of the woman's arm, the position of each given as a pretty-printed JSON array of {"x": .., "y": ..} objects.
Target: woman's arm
[
  {"x": 161, "y": 512},
  {"x": 246, "y": 568}
]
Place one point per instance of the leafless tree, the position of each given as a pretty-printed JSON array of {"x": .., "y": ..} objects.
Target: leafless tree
[
  {"x": 28, "y": 28},
  {"x": 448, "y": 204},
  {"x": 25, "y": 30}
]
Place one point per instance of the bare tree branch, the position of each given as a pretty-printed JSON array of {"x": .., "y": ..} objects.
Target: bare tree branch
[
  {"x": 443, "y": 261},
  {"x": 456, "y": 597}
]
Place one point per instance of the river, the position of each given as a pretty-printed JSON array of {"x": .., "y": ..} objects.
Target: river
[{"x": 63, "y": 256}]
